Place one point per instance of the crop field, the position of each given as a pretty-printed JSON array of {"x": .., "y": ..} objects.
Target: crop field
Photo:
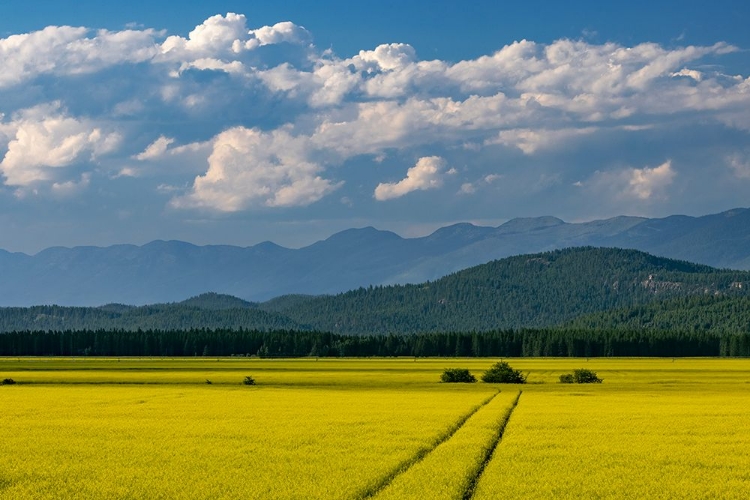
[{"x": 372, "y": 428}]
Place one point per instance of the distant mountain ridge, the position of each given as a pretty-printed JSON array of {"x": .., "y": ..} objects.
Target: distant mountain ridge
[
  {"x": 170, "y": 271},
  {"x": 574, "y": 286}
]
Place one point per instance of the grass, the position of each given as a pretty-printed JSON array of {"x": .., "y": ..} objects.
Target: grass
[{"x": 345, "y": 428}]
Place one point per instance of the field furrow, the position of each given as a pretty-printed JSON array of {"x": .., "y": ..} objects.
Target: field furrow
[
  {"x": 586, "y": 443},
  {"x": 214, "y": 442},
  {"x": 490, "y": 450},
  {"x": 407, "y": 464},
  {"x": 448, "y": 471}
]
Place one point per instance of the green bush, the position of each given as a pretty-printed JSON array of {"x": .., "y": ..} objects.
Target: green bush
[
  {"x": 249, "y": 380},
  {"x": 584, "y": 376},
  {"x": 581, "y": 376},
  {"x": 453, "y": 375},
  {"x": 8, "y": 381},
  {"x": 502, "y": 373}
]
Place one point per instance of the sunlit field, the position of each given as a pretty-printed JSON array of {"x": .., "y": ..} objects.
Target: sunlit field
[{"x": 372, "y": 428}]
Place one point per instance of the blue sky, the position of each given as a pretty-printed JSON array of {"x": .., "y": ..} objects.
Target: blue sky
[{"x": 239, "y": 122}]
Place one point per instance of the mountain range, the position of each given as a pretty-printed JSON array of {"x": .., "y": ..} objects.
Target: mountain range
[
  {"x": 169, "y": 271},
  {"x": 580, "y": 288}
]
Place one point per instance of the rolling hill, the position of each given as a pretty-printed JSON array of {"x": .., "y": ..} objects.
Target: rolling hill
[
  {"x": 170, "y": 271},
  {"x": 536, "y": 290}
]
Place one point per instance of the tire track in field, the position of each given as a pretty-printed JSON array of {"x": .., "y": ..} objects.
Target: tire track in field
[
  {"x": 407, "y": 464},
  {"x": 471, "y": 488}
]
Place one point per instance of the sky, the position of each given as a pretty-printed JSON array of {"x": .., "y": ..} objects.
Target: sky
[{"x": 237, "y": 122}]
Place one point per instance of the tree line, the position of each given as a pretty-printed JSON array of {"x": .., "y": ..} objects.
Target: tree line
[{"x": 289, "y": 343}]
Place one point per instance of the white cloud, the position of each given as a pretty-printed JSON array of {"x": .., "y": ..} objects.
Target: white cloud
[
  {"x": 71, "y": 188},
  {"x": 426, "y": 174},
  {"x": 385, "y": 57},
  {"x": 228, "y": 36},
  {"x": 383, "y": 102},
  {"x": 284, "y": 32},
  {"x": 530, "y": 141},
  {"x": 67, "y": 50},
  {"x": 647, "y": 182},
  {"x": 155, "y": 150},
  {"x": 250, "y": 168},
  {"x": 690, "y": 73},
  {"x": 467, "y": 188},
  {"x": 215, "y": 35},
  {"x": 44, "y": 140},
  {"x": 740, "y": 166}
]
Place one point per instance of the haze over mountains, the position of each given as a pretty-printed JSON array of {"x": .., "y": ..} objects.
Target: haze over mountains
[
  {"x": 168, "y": 271},
  {"x": 587, "y": 286}
]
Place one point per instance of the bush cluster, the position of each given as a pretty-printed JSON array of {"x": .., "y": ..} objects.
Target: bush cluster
[
  {"x": 8, "y": 381},
  {"x": 581, "y": 376},
  {"x": 249, "y": 380},
  {"x": 502, "y": 373},
  {"x": 454, "y": 375}
]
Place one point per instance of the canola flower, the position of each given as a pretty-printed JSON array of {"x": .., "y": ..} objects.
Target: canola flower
[
  {"x": 648, "y": 443},
  {"x": 449, "y": 469},
  {"x": 211, "y": 441},
  {"x": 346, "y": 428}
]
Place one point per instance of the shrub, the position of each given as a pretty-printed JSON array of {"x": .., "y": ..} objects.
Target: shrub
[
  {"x": 249, "y": 380},
  {"x": 453, "y": 375},
  {"x": 582, "y": 376},
  {"x": 8, "y": 381},
  {"x": 502, "y": 373},
  {"x": 208, "y": 382}
]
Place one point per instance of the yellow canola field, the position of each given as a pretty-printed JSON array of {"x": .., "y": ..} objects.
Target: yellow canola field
[
  {"x": 346, "y": 428},
  {"x": 214, "y": 442},
  {"x": 593, "y": 443},
  {"x": 447, "y": 472}
]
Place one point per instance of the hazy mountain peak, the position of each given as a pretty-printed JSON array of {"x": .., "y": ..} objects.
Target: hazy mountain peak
[
  {"x": 168, "y": 271},
  {"x": 217, "y": 301},
  {"x": 363, "y": 234},
  {"x": 530, "y": 224}
]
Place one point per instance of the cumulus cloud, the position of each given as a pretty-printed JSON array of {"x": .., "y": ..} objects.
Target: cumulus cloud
[
  {"x": 215, "y": 35},
  {"x": 70, "y": 188},
  {"x": 740, "y": 165},
  {"x": 155, "y": 150},
  {"x": 530, "y": 141},
  {"x": 248, "y": 167},
  {"x": 44, "y": 140},
  {"x": 467, "y": 188},
  {"x": 644, "y": 184},
  {"x": 647, "y": 182},
  {"x": 226, "y": 35},
  {"x": 284, "y": 32},
  {"x": 272, "y": 128},
  {"x": 386, "y": 57},
  {"x": 426, "y": 174},
  {"x": 68, "y": 50}
]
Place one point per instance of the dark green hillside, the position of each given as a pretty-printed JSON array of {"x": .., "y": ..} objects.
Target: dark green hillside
[
  {"x": 525, "y": 291},
  {"x": 217, "y": 302},
  {"x": 716, "y": 314},
  {"x": 156, "y": 317},
  {"x": 280, "y": 304},
  {"x": 529, "y": 291}
]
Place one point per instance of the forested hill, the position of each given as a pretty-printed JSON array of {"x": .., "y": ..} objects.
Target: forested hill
[
  {"x": 169, "y": 271},
  {"x": 210, "y": 311},
  {"x": 525, "y": 291},
  {"x": 580, "y": 287},
  {"x": 700, "y": 314}
]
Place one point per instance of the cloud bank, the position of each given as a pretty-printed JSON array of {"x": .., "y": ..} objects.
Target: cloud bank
[{"x": 234, "y": 118}]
